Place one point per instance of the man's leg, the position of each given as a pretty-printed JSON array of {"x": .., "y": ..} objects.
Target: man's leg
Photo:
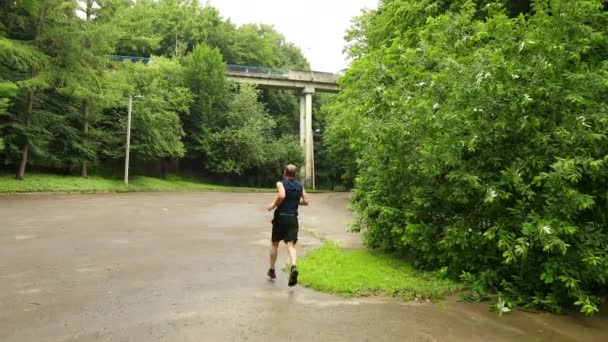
[
  {"x": 293, "y": 274},
  {"x": 274, "y": 249},
  {"x": 292, "y": 238},
  {"x": 273, "y": 259},
  {"x": 291, "y": 249},
  {"x": 276, "y": 237}
]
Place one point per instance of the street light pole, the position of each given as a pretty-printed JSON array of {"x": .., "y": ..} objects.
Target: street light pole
[{"x": 128, "y": 148}]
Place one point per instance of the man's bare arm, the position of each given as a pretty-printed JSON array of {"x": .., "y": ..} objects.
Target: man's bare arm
[
  {"x": 304, "y": 200},
  {"x": 280, "y": 197}
]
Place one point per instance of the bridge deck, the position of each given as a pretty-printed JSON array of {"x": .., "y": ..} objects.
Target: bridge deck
[
  {"x": 284, "y": 78},
  {"x": 268, "y": 77}
]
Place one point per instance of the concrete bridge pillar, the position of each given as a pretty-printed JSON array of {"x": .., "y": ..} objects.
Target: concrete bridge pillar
[
  {"x": 302, "y": 120},
  {"x": 306, "y": 136}
]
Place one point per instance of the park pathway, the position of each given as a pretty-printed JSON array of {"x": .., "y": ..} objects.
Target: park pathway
[{"x": 190, "y": 267}]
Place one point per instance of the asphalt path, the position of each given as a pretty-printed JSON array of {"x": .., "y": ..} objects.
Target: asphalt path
[{"x": 191, "y": 267}]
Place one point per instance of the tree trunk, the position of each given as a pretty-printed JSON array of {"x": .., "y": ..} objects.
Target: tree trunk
[
  {"x": 163, "y": 168},
  {"x": 85, "y": 130},
  {"x": 24, "y": 152},
  {"x": 89, "y": 9},
  {"x": 30, "y": 99},
  {"x": 26, "y": 147}
]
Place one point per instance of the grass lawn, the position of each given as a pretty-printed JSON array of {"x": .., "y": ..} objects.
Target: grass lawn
[
  {"x": 363, "y": 273},
  {"x": 59, "y": 183}
]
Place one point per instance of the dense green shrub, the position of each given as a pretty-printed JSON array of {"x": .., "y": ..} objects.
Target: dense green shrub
[{"x": 481, "y": 143}]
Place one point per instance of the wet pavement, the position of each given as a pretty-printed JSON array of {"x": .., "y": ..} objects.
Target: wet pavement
[{"x": 190, "y": 267}]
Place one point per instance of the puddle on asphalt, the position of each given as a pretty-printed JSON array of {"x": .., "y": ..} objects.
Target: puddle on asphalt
[
  {"x": 120, "y": 241},
  {"x": 29, "y": 291},
  {"x": 87, "y": 269},
  {"x": 25, "y": 237}
]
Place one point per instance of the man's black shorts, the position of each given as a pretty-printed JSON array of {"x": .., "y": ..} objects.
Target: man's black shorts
[{"x": 285, "y": 227}]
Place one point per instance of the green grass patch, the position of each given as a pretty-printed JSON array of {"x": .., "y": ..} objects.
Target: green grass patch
[
  {"x": 59, "y": 183},
  {"x": 364, "y": 273}
]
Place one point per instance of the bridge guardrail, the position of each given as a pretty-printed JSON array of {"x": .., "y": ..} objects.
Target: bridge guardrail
[
  {"x": 258, "y": 70},
  {"x": 120, "y": 58}
]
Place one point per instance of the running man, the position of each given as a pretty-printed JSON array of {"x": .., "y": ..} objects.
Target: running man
[{"x": 291, "y": 195}]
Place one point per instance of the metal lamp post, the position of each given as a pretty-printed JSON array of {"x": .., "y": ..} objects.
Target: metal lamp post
[
  {"x": 128, "y": 148},
  {"x": 128, "y": 144}
]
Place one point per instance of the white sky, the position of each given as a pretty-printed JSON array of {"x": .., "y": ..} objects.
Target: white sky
[{"x": 316, "y": 26}]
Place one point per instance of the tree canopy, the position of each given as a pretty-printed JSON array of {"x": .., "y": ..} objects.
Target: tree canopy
[
  {"x": 63, "y": 100},
  {"x": 476, "y": 134}
]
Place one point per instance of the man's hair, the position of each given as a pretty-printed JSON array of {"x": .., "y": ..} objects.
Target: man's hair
[{"x": 291, "y": 170}]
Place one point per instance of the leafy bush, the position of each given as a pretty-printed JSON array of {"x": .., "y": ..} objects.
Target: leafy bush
[{"x": 481, "y": 143}]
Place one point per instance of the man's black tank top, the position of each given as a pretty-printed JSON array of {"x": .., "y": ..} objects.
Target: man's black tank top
[{"x": 293, "y": 193}]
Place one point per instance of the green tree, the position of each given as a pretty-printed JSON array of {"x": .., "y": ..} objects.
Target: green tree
[
  {"x": 30, "y": 46},
  {"x": 262, "y": 45},
  {"x": 205, "y": 74},
  {"x": 184, "y": 24},
  {"x": 243, "y": 142},
  {"x": 68, "y": 112},
  {"x": 7, "y": 89},
  {"x": 86, "y": 43},
  {"x": 137, "y": 21},
  {"x": 479, "y": 141},
  {"x": 284, "y": 108},
  {"x": 160, "y": 97}
]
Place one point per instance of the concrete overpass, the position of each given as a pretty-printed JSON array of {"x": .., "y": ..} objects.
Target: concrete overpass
[
  {"x": 322, "y": 82},
  {"x": 306, "y": 83}
]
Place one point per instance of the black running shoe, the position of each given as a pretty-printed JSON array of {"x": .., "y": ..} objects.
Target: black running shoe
[
  {"x": 293, "y": 276},
  {"x": 271, "y": 274}
]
